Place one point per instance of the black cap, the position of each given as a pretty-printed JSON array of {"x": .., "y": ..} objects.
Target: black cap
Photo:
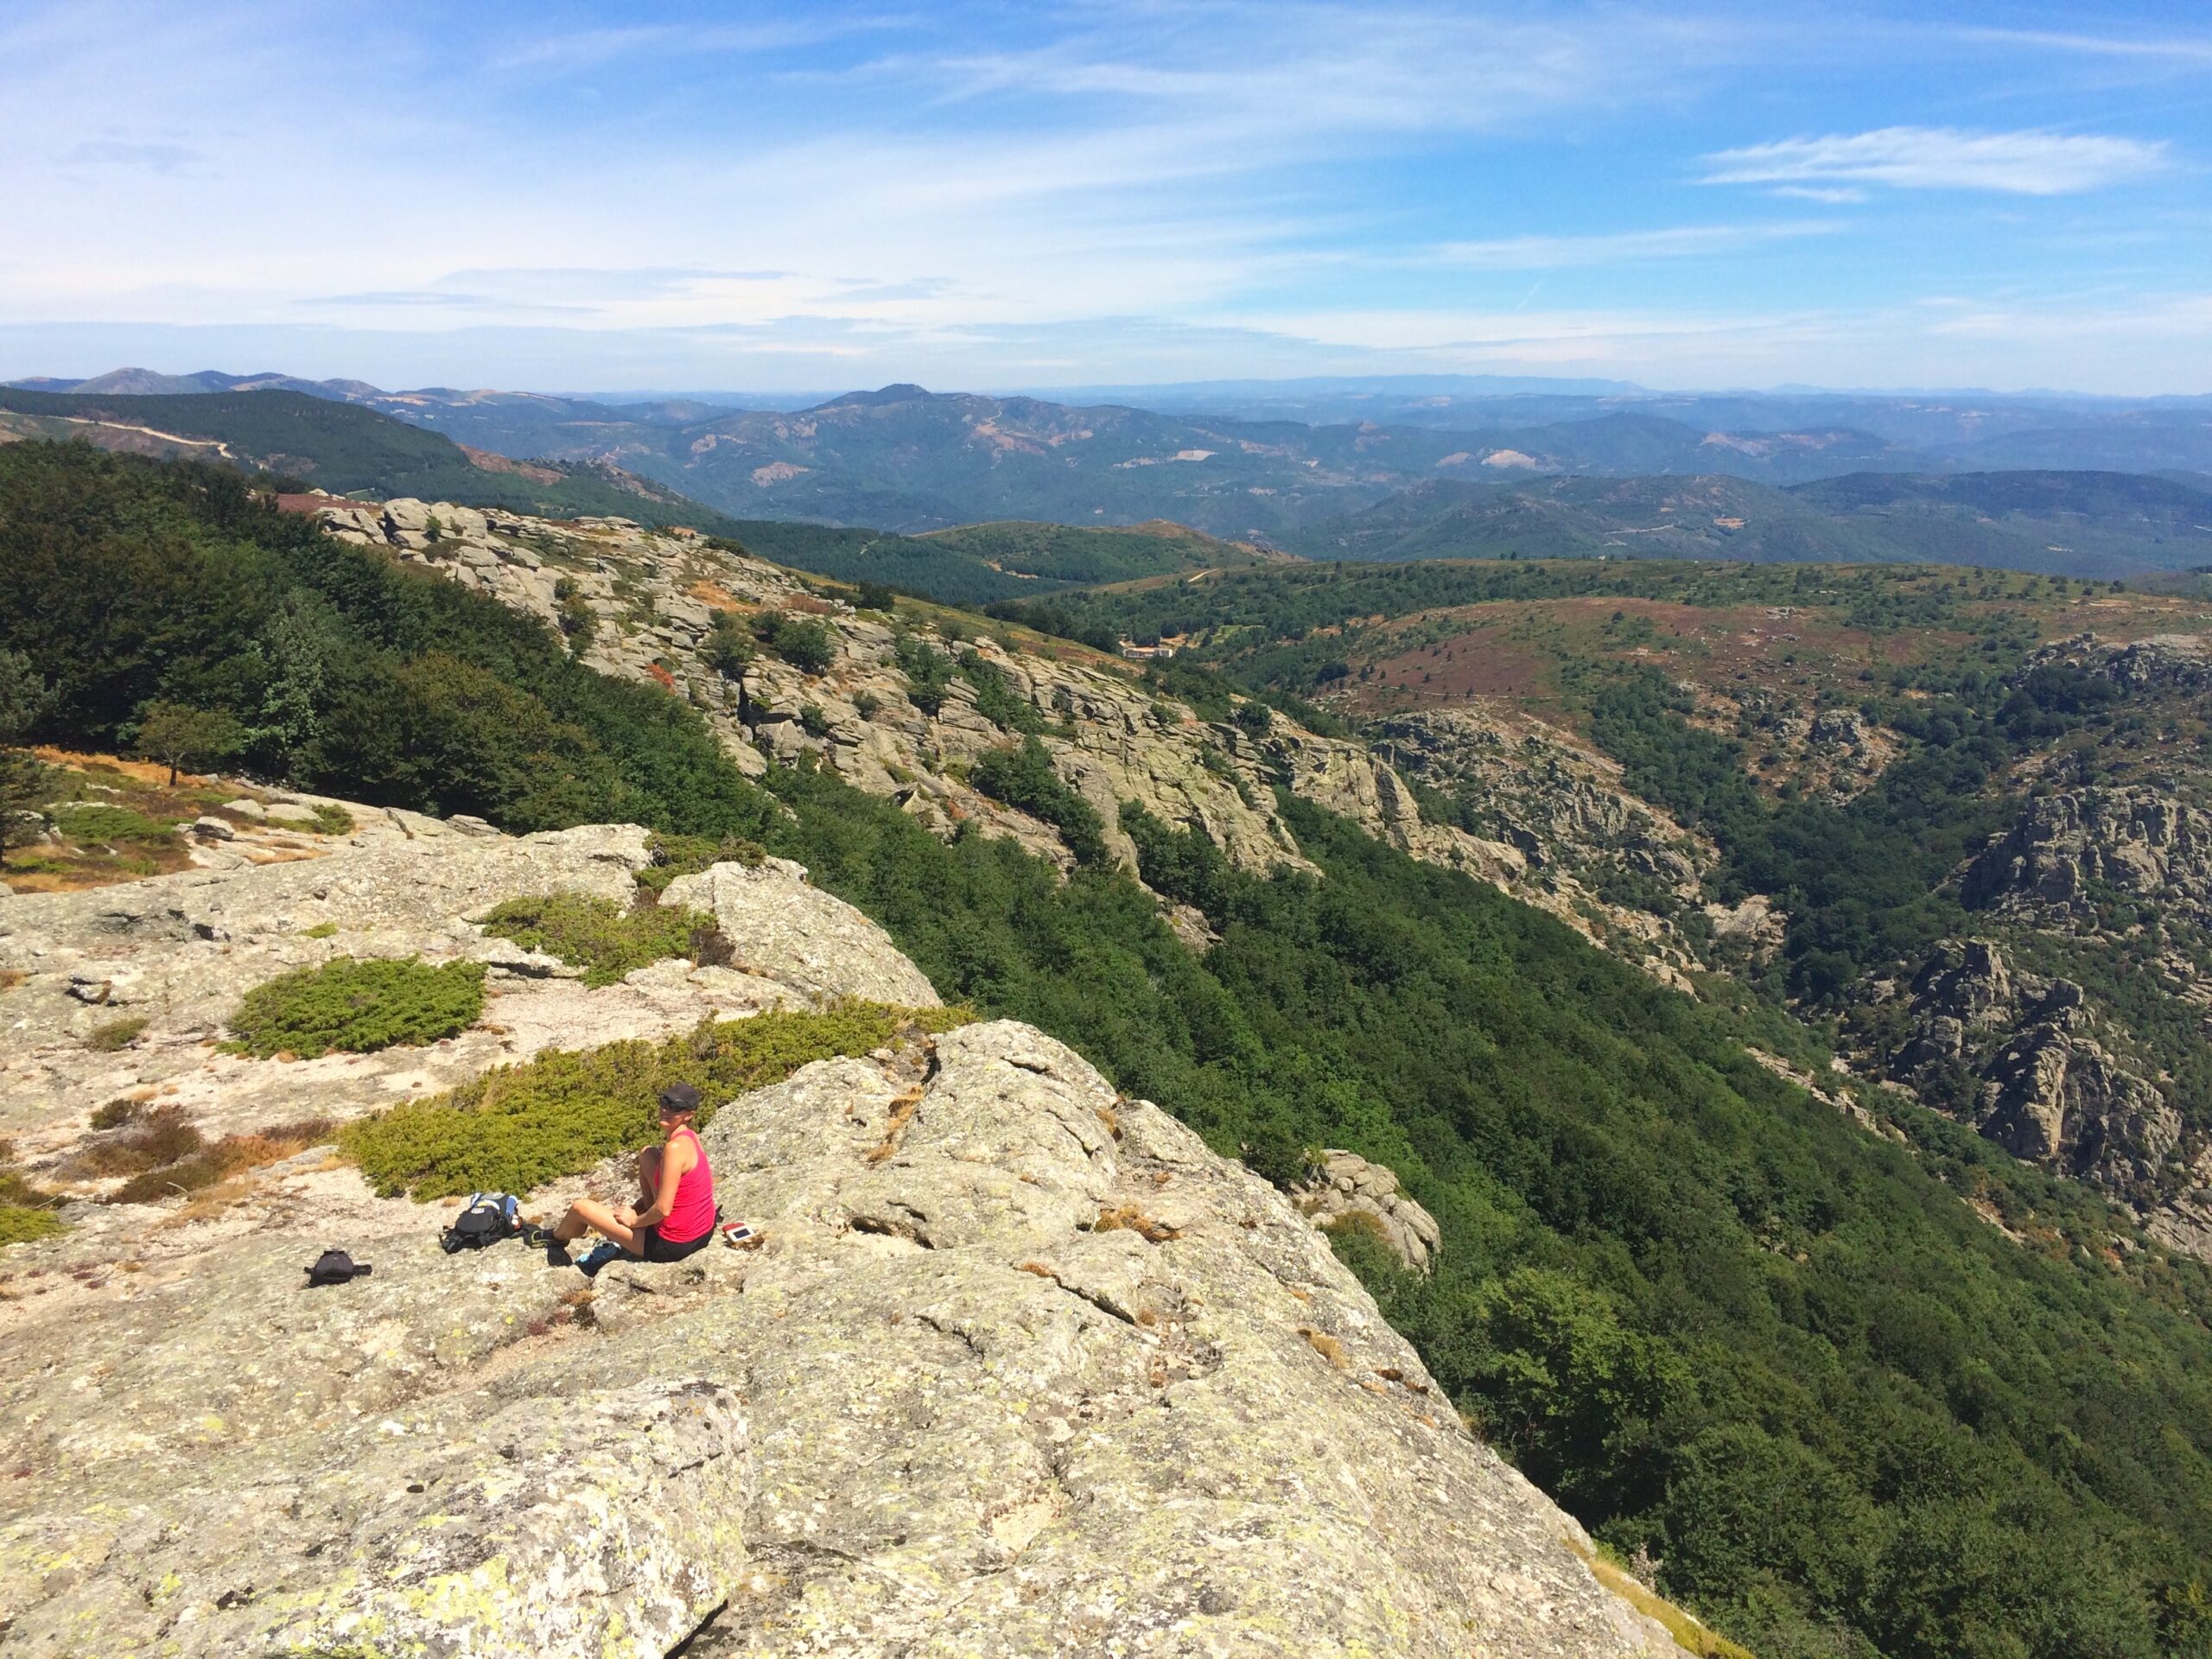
[{"x": 679, "y": 1098}]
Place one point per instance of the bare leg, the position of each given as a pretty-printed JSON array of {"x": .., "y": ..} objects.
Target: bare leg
[
  {"x": 588, "y": 1215},
  {"x": 648, "y": 1177}
]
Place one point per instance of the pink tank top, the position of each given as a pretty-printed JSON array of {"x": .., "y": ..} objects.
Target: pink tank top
[{"x": 693, "y": 1210}]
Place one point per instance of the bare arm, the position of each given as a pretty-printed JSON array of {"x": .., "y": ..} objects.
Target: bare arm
[{"x": 676, "y": 1159}]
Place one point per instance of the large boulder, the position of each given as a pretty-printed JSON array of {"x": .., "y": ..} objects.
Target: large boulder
[{"x": 1347, "y": 1189}]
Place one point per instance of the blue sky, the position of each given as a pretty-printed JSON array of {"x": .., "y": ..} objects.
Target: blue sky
[{"x": 560, "y": 196}]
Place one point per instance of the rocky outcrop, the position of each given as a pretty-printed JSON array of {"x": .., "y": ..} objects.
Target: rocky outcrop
[
  {"x": 2163, "y": 664},
  {"x": 178, "y": 952},
  {"x": 1586, "y": 843},
  {"x": 1021, "y": 1369},
  {"x": 2070, "y": 855},
  {"x": 652, "y": 597},
  {"x": 1348, "y": 1186},
  {"x": 2018, "y": 1056}
]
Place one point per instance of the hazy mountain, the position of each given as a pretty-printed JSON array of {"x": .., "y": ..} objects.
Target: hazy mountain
[
  {"x": 1279, "y": 461},
  {"x": 2078, "y": 522}
]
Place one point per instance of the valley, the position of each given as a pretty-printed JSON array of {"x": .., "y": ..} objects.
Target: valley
[{"x": 1777, "y": 981}]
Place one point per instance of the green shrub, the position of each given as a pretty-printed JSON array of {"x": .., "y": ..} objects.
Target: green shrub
[
  {"x": 359, "y": 1006},
  {"x": 20, "y": 1226},
  {"x": 115, "y": 1034},
  {"x": 674, "y": 855},
  {"x": 601, "y": 937},
  {"x": 520, "y": 1127},
  {"x": 1024, "y": 777},
  {"x": 928, "y": 671},
  {"x": 331, "y": 819},
  {"x": 995, "y": 699},
  {"x": 807, "y": 646},
  {"x": 25, "y": 1211},
  {"x": 727, "y": 649},
  {"x": 91, "y": 824}
]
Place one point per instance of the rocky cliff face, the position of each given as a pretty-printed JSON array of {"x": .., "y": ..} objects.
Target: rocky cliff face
[
  {"x": 1598, "y": 851},
  {"x": 652, "y": 597},
  {"x": 2072, "y": 854},
  {"x": 1021, "y": 1367},
  {"x": 2019, "y": 1057}
]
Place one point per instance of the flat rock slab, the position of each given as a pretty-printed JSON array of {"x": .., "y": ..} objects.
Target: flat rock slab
[{"x": 1021, "y": 1367}]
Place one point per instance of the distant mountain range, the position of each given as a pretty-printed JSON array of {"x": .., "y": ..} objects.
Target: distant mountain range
[
  {"x": 2098, "y": 523},
  {"x": 1243, "y": 460},
  {"x": 864, "y": 479}
]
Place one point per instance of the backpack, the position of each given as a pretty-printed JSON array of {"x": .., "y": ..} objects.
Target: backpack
[
  {"x": 486, "y": 1219},
  {"x": 336, "y": 1268}
]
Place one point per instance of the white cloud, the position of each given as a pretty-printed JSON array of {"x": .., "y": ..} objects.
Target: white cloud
[
  {"x": 1835, "y": 195},
  {"x": 2031, "y": 163},
  {"x": 1678, "y": 241}
]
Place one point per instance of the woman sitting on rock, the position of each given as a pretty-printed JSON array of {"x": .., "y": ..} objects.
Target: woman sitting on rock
[{"x": 674, "y": 1185}]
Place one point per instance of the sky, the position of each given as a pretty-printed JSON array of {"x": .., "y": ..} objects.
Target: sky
[{"x": 556, "y": 196}]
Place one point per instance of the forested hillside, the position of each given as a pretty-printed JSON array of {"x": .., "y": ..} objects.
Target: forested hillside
[
  {"x": 341, "y": 448},
  {"x": 1845, "y": 1393}
]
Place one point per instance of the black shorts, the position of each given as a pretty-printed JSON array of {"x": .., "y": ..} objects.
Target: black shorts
[{"x": 657, "y": 1249}]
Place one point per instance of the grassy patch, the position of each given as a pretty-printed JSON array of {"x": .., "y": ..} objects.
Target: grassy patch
[
  {"x": 1689, "y": 1635},
  {"x": 520, "y": 1127},
  {"x": 94, "y": 823},
  {"x": 604, "y": 939},
  {"x": 321, "y": 930},
  {"x": 331, "y": 819},
  {"x": 115, "y": 1034},
  {"x": 20, "y": 1226},
  {"x": 24, "y": 1212},
  {"x": 358, "y": 1006}
]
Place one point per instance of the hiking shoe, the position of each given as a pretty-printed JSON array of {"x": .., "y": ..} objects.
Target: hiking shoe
[
  {"x": 535, "y": 1236},
  {"x": 557, "y": 1253},
  {"x": 600, "y": 1256}
]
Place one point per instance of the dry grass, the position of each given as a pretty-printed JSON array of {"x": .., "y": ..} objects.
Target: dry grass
[
  {"x": 1327, "y": 1346},
  {"x": 1129, "y": 1218},
  {"x": 903, "y": 1109},
  {"x": 1039, "y": 1270},
  {"x": 168, "y": 1156}
]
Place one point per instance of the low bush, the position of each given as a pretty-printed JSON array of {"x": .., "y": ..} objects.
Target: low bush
[
  {"x": 204, "y": 1165},
  {"x": 25, "y": 1211},
  {"x": 93, "y": 823},
  {"x": 995, "y": 699},
  {"x": 155, "y": 1140},
  {"x": 1025, "y": 778},
  {"x": 601, "y": 937},
  {"x": 358, "y": 1006},
  {"x": 518, "y": 1126},
  {"x": 674, "y": 855},
  {"x": 115, "y": 1034}
]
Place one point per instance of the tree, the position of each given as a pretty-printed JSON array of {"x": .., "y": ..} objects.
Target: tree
[
  {"x": 22, "y": 695},
  {"x": 726, "y": 647},
  {"x": 173, "y": 734}
]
